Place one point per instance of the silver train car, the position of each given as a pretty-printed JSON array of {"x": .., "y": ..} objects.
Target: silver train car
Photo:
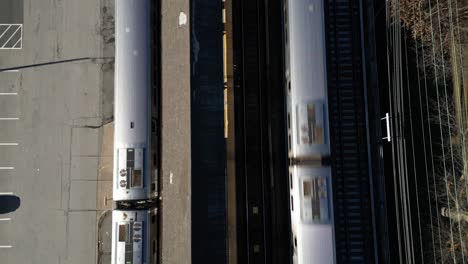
[
  {"x": 311, "y": 193},
  {"x": 312, "y": 215},
  {"x": 133, "y": 237},
  {"x": 306, "y": 79},
  {"x": 134, "y": 128}
]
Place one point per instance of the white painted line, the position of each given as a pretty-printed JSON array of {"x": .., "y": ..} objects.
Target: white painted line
[
  {"x": 6, "y": 246},
  {"x": 14, "y": 46},
  {"x": 7, "y": 168},
  {"x": 5, "y": 31},
  {"x": 12, "y": 71},
  {"x": 8, "y": 93},
  {"x": 9, "y": 118},
  {"x": 6, "y": 193},
  {"x": 8, "y": 144},
  {"x": 5, "y": 219}
]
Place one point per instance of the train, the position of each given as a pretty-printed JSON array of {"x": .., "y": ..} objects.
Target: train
[
  {"x": 135, "y": 171},
  {"x": 308, "y": 137},
  {"x": 134, "y": 237},
  {"x": 135, "y": 120},
  {"x": 311, "y": 192}
]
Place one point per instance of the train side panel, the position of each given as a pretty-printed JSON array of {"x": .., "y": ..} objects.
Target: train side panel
[
  {"x": 132, "y": 111},
  {"x": 311, "y": 193},
  {"x": 133, "y": 237},
  {"x": 312, "y": 214},
  {"x": 306, "y": 79}
]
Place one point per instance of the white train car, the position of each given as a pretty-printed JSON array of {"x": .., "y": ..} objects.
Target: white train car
[
  {"x": 134, "y": 155},
  {"x": 311, "y": 193},
  {"x": 133, "y": 237},
  {"x": 306, "y": 79},
  {"x": 312, "y": 215}
]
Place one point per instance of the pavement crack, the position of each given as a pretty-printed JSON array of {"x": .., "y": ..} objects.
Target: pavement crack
[
  {"x": 92, "y": 127},
  {"x": 103, "y": 123}
]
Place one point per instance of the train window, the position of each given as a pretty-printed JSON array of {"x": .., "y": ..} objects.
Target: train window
[
  {"x": 136, "y": 179},
  {"x": 307, "y": 188},
  {"x": 289, "y": 142},
  {"x": 155, "y": 98},
  {"x": 286, "y": 26},
  {"x": 292, "y": 204},
  {"x": 292, "y": 238},
  {"x": 123, "y": 233},
  {"x": 289, "y": 121},
  {"x": 154, "y": 246},
  {"x": 131, "y": 124},
  {"x": 286, "y": 33},
  {"x": 290, "y": 180}
]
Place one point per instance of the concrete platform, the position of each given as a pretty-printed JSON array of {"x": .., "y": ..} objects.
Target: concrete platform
[{"x": 176, "y": 141}]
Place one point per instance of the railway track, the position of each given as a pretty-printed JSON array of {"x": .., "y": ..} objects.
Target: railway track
[
  {"x": 261, "y": 162},
  {"x": 355, "y": 135},
  {"x": 261, "y": 153}
]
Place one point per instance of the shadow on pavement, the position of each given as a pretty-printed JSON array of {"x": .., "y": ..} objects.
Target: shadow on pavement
[{"x": 9, "y": 203}]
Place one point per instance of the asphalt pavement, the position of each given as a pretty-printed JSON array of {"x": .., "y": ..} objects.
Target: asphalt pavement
[
  {"x": 11, "y": 11},
  {"x": 58, "y": 159},
  {"x": 50, "y": 157}
]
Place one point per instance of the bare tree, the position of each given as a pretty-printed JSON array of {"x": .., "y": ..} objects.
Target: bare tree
[
  {"x": 454, "y": 222},
  {"x": 439, "y": 25},
  {"x": 451, "y": 250},
  {"x": 416, "y": 16},
  {"x": 451, "y": 184}
]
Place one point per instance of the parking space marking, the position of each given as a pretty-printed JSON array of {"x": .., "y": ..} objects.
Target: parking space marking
[
  {"x": 8, "y": 144},
  {"x": 7, "y": 168},
  {"x": 6, "y": 246},
  {"x": 6, "y": 193},
  {"x": 9, "y": 118},
  {"x": 19, "y": 27},
  {"x": 4, "y": 32},
  {"x": 5, "y": 219},
  {"x": 8, "y": 93}
]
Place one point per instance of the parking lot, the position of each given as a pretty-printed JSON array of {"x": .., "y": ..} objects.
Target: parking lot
[{"x": 51, "y": 135}]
